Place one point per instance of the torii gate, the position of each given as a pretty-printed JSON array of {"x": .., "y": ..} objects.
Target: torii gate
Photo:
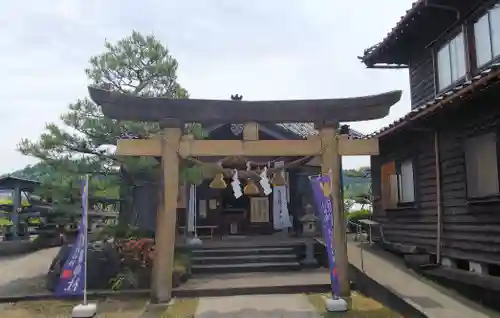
[{"x": 326, "y": 114}]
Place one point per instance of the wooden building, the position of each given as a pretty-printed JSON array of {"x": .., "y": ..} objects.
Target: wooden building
[
  {"x": 436, "y": 179},
  {"x": 218, "y": 213}
]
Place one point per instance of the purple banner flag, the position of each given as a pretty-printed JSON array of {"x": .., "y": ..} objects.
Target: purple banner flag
[
  {"x": 321, "y": 190},
  {"x": 72, "y": 280}
]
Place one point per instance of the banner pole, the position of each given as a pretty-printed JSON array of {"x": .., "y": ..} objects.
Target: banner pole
[
  {"x": 330, "y": 177},
  {"x": 324, "y": 206},
  {"x": 85, "y": 235}
]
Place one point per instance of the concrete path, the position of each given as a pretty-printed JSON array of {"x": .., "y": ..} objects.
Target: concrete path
[
  {"x": 256, "y": 306},
  {"x": 430, "y": 299},
  {"x": 313, "y": 277},
  {"x": 25, "y": 274}
]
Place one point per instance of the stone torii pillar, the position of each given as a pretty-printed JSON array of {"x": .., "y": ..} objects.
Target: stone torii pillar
[
  {"x": 161, "y": 285},
  {"x": 331, "y": 163}
]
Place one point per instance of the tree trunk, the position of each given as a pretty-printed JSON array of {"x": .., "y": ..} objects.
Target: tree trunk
[{"x": 126, "y": 207}]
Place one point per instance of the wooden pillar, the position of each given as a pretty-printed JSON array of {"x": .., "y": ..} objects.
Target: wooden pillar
[
  {"x": 330, "y": 161},
  {"x": 166, "y": 218},
  {"x": 16, "y": 208}
]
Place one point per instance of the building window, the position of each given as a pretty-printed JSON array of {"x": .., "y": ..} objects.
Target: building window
[
  {"x": 481, "y": 165},
  {"x": 487, "y": 36},
  {"x": 406, "y": 182},
  {"x": 389, "y": 185},
  {"x": 398, "y": 186},
  {"x": 451, "y": 61}
]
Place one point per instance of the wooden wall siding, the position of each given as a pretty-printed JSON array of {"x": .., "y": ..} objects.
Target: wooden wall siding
[
  {"x": 145, "y": 203},
  {"x": 145, "y": 207},
  {"x": 204, "y": 192},
  {"x": 470, "y": 231},
  {"x": 413, "y": 225},
  {"x": 422, "y": 78}
]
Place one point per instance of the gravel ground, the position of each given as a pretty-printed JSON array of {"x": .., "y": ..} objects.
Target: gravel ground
[{"x": 25, "y": 274}]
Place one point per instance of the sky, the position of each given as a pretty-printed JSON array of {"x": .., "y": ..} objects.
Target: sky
[{"x": 262, "y": 49}]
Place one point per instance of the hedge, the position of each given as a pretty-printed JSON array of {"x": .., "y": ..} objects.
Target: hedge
[{"x": 356, "y": 216}]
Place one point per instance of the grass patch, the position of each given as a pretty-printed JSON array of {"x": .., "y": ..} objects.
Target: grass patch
[
  {"x": 362, "y": 307},
  {"x": 109, "y": 308},
  {"x": 182, "y": 308}
]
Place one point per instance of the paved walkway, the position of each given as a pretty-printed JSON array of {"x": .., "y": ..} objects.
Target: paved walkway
[
  {"x": 318, "y": 276},
  {"x": 25, "y": 274},
  {"x": 256, "y": 306},
  {"x": 433, "y": 301}
]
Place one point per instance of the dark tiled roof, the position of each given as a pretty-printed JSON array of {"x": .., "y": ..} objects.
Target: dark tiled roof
[
  {"x": 300, "y": 129},
  {"x": 306, "y": 129},
  {"x": 10, "y": 182},
  {"x": 484, "y": 78},
  {"x": 9, "y": 178},
  {"x": 400, "y": 26}
]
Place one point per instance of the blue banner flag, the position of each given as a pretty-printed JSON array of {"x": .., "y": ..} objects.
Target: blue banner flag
[
  {"x": 321, "y": 190},
  {"x": 72, "y": 279}
]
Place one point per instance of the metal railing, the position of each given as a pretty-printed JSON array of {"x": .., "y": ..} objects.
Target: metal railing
[
  {"x": 359, "y": 229},
  {"x": 359, "y": 235}
]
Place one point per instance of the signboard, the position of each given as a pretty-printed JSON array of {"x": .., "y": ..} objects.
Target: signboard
[
  {"x": 259, "y": 210},
  {"x": 72, "y": 280},
  {"x": 321, "y": 190},
  {"x": 281, "y": 216}
]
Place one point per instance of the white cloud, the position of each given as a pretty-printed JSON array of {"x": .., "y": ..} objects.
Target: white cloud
[{"x": 262, "y": 49}]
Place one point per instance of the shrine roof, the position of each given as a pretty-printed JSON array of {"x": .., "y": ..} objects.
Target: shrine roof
[
  {"x": 303, "y": 130},
  {"x": 307, "y": 129},
  {"x": 128, "y": 107},
  {"x": 10, "y": 182}
]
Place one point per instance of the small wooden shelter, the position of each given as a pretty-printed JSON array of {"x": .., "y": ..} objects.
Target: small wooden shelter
[
  {"x": 18, "y": 186},
  {"x": 172, "y": 146}
]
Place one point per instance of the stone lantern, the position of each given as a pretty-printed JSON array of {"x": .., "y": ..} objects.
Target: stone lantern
[{"x": 309, "y": 221}]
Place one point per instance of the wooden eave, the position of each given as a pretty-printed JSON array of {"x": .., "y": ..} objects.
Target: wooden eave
[
  {"x": 9, "y": 182},
  {"x": 455, "y": 96},
  {"x": 425, "y": 23},
  {"x": 127, "y": 107}
]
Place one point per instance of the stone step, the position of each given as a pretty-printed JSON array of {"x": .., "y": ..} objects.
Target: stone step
[
  {"x": 245, "y": 267},
  {"x": 242, "y": 251},
  {"x": 239, "y": 259}
]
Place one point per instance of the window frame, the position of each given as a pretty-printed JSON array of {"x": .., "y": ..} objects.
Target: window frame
[
  {"x": 481, "y": 196},
  {"x": 399, "y": 165},
  {"x": 485, "y": 12},
  {"x": 446, "y": 43},
  {"x": 389, "y": 203}
]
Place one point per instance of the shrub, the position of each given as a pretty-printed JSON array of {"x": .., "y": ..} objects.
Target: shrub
[
  {"x": 356, "y": 216},
  {"x": 136, "y": 263},
  {"x": 5, "y": 221},
  {"x": 123, "y": 232},
  {"x": 136, "y": 253}
]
